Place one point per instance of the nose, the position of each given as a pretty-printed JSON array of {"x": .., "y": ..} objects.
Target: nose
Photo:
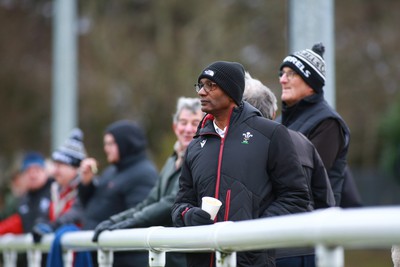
[
  {"x": 283, "y": 78},
  {"x": 202, "y": 91}
]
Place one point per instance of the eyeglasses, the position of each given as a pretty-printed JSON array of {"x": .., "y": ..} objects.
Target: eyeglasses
[
  {"x": 208, "y": 86},
  {"x": 289, "y": 74}
]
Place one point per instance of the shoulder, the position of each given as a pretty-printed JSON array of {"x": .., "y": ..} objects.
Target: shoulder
[{"x": 265, "y": 126}]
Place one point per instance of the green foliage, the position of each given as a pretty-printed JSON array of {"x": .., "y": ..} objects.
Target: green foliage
[{"x": 390, "y": 134}]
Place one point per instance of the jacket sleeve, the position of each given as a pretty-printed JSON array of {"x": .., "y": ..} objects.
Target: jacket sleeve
[
  {"x": 321, "y": 187},
  {"x": 157, "y": 212},
  {"x": 186, "y": 196},
  {"x": 85, "y": 193},
  {"x": 288, "y": 181},
  {"x": 329, "y": 151},
  {"x": 11, "y": 225}
]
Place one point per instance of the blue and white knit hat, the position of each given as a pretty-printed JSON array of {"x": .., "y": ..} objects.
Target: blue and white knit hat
[{"x": 72, "y": 152}]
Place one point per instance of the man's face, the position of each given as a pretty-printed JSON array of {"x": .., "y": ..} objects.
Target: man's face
[
  {"x": 111, "y": 148},
  {"x": 35, "y": 176},
  {"x": 64, "y": 173},
  {"x": 214, "y": 101},
  {"x": 294, "y": 88},
  {"x": 186, "y": 126}
]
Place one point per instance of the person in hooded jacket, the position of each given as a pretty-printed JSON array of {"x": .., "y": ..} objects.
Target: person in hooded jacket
[
  {"x": 122, "y": 185},
  {"x": 247, "y": 162},
  {"x": 156, "y": 208}
]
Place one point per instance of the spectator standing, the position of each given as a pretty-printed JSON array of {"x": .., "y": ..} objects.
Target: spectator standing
[
  {"x": 156, "y": 208},
  {"x": 304, "y": 109},
  {"x": 122, "y": 185},
  {"x": 247, "y": 162},
  {"x": 322, "y": 196}
]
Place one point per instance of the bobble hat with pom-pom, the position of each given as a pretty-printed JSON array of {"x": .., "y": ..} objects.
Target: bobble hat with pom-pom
[
  {"x": 310, "y": 65},
  {"x": 72, "y": 152}
]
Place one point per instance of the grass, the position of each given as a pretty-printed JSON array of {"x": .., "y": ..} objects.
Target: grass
[{"x": 368, "y": 258}]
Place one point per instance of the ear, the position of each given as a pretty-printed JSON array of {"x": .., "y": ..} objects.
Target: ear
[{"x": 274, "y": 115}]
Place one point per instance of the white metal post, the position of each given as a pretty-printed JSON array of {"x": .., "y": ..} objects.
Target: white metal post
[
  {"x": 225, "y": 259},
  {"x": 105, "y": 258},
  {"x": 34, "y": 258},
  {"x": 10, "y": 258},
  {"x": 68, "y": 258},
  {"x": 157, "y": 259},
  {"x": 326, "y": 256}
]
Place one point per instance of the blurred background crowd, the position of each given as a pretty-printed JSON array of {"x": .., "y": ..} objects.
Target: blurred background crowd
[{"x": 136, "y": 57}]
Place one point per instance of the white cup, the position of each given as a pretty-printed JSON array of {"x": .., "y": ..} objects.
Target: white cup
[{"x": 211, "y": 206}]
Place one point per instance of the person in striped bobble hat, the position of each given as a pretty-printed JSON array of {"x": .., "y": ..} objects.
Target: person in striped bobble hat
[{"x": 64, "y": 190}]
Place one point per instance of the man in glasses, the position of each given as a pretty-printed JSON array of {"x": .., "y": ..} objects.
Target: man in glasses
[
  {"x": 247, "y": 162},
  {"x": 304, "y": 109}
]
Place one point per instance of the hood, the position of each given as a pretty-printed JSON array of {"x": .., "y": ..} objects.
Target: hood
[{"x": 129, "y": 137}]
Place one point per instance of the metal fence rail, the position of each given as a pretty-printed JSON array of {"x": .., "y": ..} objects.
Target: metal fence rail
[{"x": 329, "y": 231}]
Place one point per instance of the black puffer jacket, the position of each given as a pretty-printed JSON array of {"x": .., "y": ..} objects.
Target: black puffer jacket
[
  {"x": 121, "y": 186},
  {"x": 254, "y": 171}
]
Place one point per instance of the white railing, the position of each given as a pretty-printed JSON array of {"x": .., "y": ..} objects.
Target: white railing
[{"x": 329, "y": 231}]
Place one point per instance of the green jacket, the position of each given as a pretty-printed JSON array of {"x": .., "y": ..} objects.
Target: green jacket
[{"x": 156, "y": 208}]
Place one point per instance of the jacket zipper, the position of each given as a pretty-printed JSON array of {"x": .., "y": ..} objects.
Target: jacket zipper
[{"x": 227, "y": 204}]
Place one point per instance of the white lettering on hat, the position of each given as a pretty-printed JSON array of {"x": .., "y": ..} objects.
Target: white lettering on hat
[
  {"x": 209, "y": 72},
  {"x": 298, "y": 64},
  {"x": 314, "y": 60}
]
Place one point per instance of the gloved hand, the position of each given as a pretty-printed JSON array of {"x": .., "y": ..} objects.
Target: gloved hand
[
  {"x": 127, "y": 223},
  {"x": 104, "y": 225},
  {"x": 196, "y": 216},
  {"x": 39, "y": 230}
]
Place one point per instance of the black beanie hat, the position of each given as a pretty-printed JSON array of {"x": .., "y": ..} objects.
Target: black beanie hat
[
  {"x": 310, "y": 65},
  {"x": 72, "y": 152},
  {"x": 228, "y": 75}
]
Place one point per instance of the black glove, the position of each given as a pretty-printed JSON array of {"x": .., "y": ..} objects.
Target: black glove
[
  {"x": 104, "y": 225},
  {"x": 196, "y": 216},
  {"x": 128, "y": 223},
  {"x": 40, "y": 229}
]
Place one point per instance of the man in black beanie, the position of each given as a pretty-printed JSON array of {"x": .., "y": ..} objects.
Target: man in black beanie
[
  {"x": 304, "y": 109},
  {"x": 237, "y": 156}
]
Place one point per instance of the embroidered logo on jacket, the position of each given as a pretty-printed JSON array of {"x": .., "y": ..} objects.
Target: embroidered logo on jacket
[
  {"x": 203, "y": 142},
  {"x": 246, "y": 137}
]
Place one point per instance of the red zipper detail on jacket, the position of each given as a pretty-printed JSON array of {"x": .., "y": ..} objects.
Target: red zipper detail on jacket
[
  {"x": 227, "y": 204},
  {"x": 216, "y": 195},
  {"x": 221, "y": 150}
]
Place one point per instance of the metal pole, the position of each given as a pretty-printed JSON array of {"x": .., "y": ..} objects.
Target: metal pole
[
  {"x": 10, "y": 258},
  {"x": 326, "y": 256},
  {"x": 225, "y": 259},
  {"x": 64, "y": 107},
  {"x": 310, "y": 22},
  {"x": 34, "y": 258},
  {"x": 157, "y": 259},
  {"x": 105, "y": 258}
]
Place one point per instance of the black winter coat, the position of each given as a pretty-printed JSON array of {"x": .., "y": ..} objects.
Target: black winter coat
[
  {"x": 254, "y": 171},
  {"x": 307, "y": 117},
  {"x": 121, "y": 186}
]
